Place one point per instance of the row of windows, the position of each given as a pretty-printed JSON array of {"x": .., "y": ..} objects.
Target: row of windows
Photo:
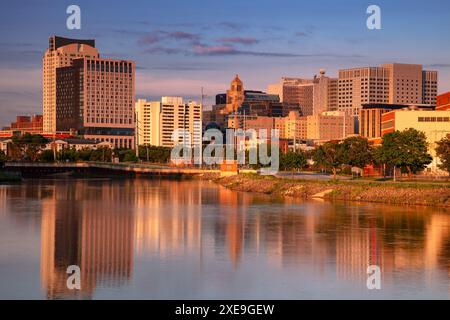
[
  {"x": 107, "y": 66},
  {"x": 122, "y": 143},
  {"x": 433, "y": 119}
]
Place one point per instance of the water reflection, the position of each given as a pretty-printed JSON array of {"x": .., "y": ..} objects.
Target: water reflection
[
  {"x": 81, "y": 226},
  {"x": 114, "y": 229}
]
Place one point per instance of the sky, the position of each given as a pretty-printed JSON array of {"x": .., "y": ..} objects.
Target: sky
[{"x": 180, "y": 46}]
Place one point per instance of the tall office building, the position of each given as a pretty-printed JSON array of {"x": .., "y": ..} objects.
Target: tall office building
[
  {"x": 148, "y": 122},
  {"x": 95, "y": 97},
  {"x": 392, "y": 83},
  {"x": 313, "y": 96},
  {"x": 295, "y": 91},
  {"x": 60, "y": 53},
  {"x": 325, "y": 93},
  {"x": 158, "y": 120},
  {"x": 177, "y": 115}
]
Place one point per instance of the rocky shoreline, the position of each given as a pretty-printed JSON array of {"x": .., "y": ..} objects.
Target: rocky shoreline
[{"x": 378, "y": 192}]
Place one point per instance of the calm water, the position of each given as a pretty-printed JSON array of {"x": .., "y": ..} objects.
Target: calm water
[{"x": 149, "y": 239}]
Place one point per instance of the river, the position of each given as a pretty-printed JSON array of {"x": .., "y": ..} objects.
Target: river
[{"x": 166, "y": 239}]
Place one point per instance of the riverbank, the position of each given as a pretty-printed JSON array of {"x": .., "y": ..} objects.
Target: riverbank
[
  {"x": 379, "y": 192},
  {"x": 10, "y": 176}
]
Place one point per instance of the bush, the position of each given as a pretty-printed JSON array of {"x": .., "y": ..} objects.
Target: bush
[
  {"x": 130, "y": 156},
  {"x": 46, "y": 156}
]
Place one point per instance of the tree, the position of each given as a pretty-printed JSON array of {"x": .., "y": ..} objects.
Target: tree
[
  {"x": 68, "y": 154},
  {"x": 357, "y": 152},
  {"x": 443, "y": 152},
  {"x": 102, "y": 154},
  {"x": 154, "y": 154},
  {"x": 293, "y": 160},
  {"x": 46, "y": 156},
  {"x": 84, "y": 154},
  {"x": 130, "y": 156},
  {"x": 29, "y": 145},
  {"x": 3, "y": 158},
  {"x": 406, "y": 149},
  {"x": 329, "y": 155}
]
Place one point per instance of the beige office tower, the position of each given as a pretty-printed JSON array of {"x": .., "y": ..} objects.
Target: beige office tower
[
  {"x": 293, "y": 126},
  {"x": 314, "y": 96},
  {"x": 177, "y": 115},
  {"x": 295, "y": 91},
  {"x": 60, "y": 53},
  {"x": 148, "y": 122},
  {"x": 329, "y": 125},
  {"x": 325, "y": 93},
  {"x": 392, "y": 83}
]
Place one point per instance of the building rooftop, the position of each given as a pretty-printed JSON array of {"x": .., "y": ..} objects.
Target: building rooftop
[
  {"x": 56, "y": 42},
  {"x": 396, "y": 106}
]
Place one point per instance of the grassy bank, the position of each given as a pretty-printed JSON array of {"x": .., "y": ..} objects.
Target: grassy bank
[{"x": 380, "y": 192}]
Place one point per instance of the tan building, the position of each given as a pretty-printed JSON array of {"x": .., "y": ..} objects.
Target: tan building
[
  {"x": 148, "y": 122},
  {"x": 312, "y": 95},
  {"x": 325, "y": 93},
  {"x": 235, "y": 96},
  {"x": 95, "y": 97},
  {"x": 294, "y": 91},
  {"x": 292, "y": 127},
  {"x": 329, "y": 126},
  {"x": 177, "y": 115},
  {"x": 435, "y": 125},
  {"x": 370, "y": 117},
  {"x": 60, "y": 53},
  {"x": 251, "y": 122},
  {"x": 392, "y": 83}
]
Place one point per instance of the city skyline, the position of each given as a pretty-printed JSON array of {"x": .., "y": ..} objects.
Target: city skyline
[{"x": 178, "y": 56}]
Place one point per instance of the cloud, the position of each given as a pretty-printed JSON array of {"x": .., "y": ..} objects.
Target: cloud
[
  {"x": 149, "y": 85},
  {"x": 301, "y": 34},
  {"x": 228, "y": 50},
  {"x": 21, "y": 93},
  {"x": 438, "y": 65},
  {"x": 232, "y": 25},
  {"x": 158, "y": 36},
  {"x": 182, "y": 67},
  {"x": 201, "y": 49},
  {"x": 164, "y": 50},
  {"x": 239, "y": 40},
  {"x": 150, "y": 38},
  {"x": 181, "y": 35},
  {"x": 307, "y": 31}
]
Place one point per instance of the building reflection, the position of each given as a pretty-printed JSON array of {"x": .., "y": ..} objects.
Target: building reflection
[
  {"x": 86, "y": 228},
  {"x": 184, "y": 217},
  {"x": 103, "y": 227}
]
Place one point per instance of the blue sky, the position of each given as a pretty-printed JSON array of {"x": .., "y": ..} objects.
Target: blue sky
[{"x": 180, "y": 46}]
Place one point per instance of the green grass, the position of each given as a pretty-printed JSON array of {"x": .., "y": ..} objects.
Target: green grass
[{"x": 359, "y": 182}]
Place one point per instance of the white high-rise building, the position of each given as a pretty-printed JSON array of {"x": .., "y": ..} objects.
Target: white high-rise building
[
  {"x": 158, "y": 121},
  {"x": 148, "y": 122}
]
